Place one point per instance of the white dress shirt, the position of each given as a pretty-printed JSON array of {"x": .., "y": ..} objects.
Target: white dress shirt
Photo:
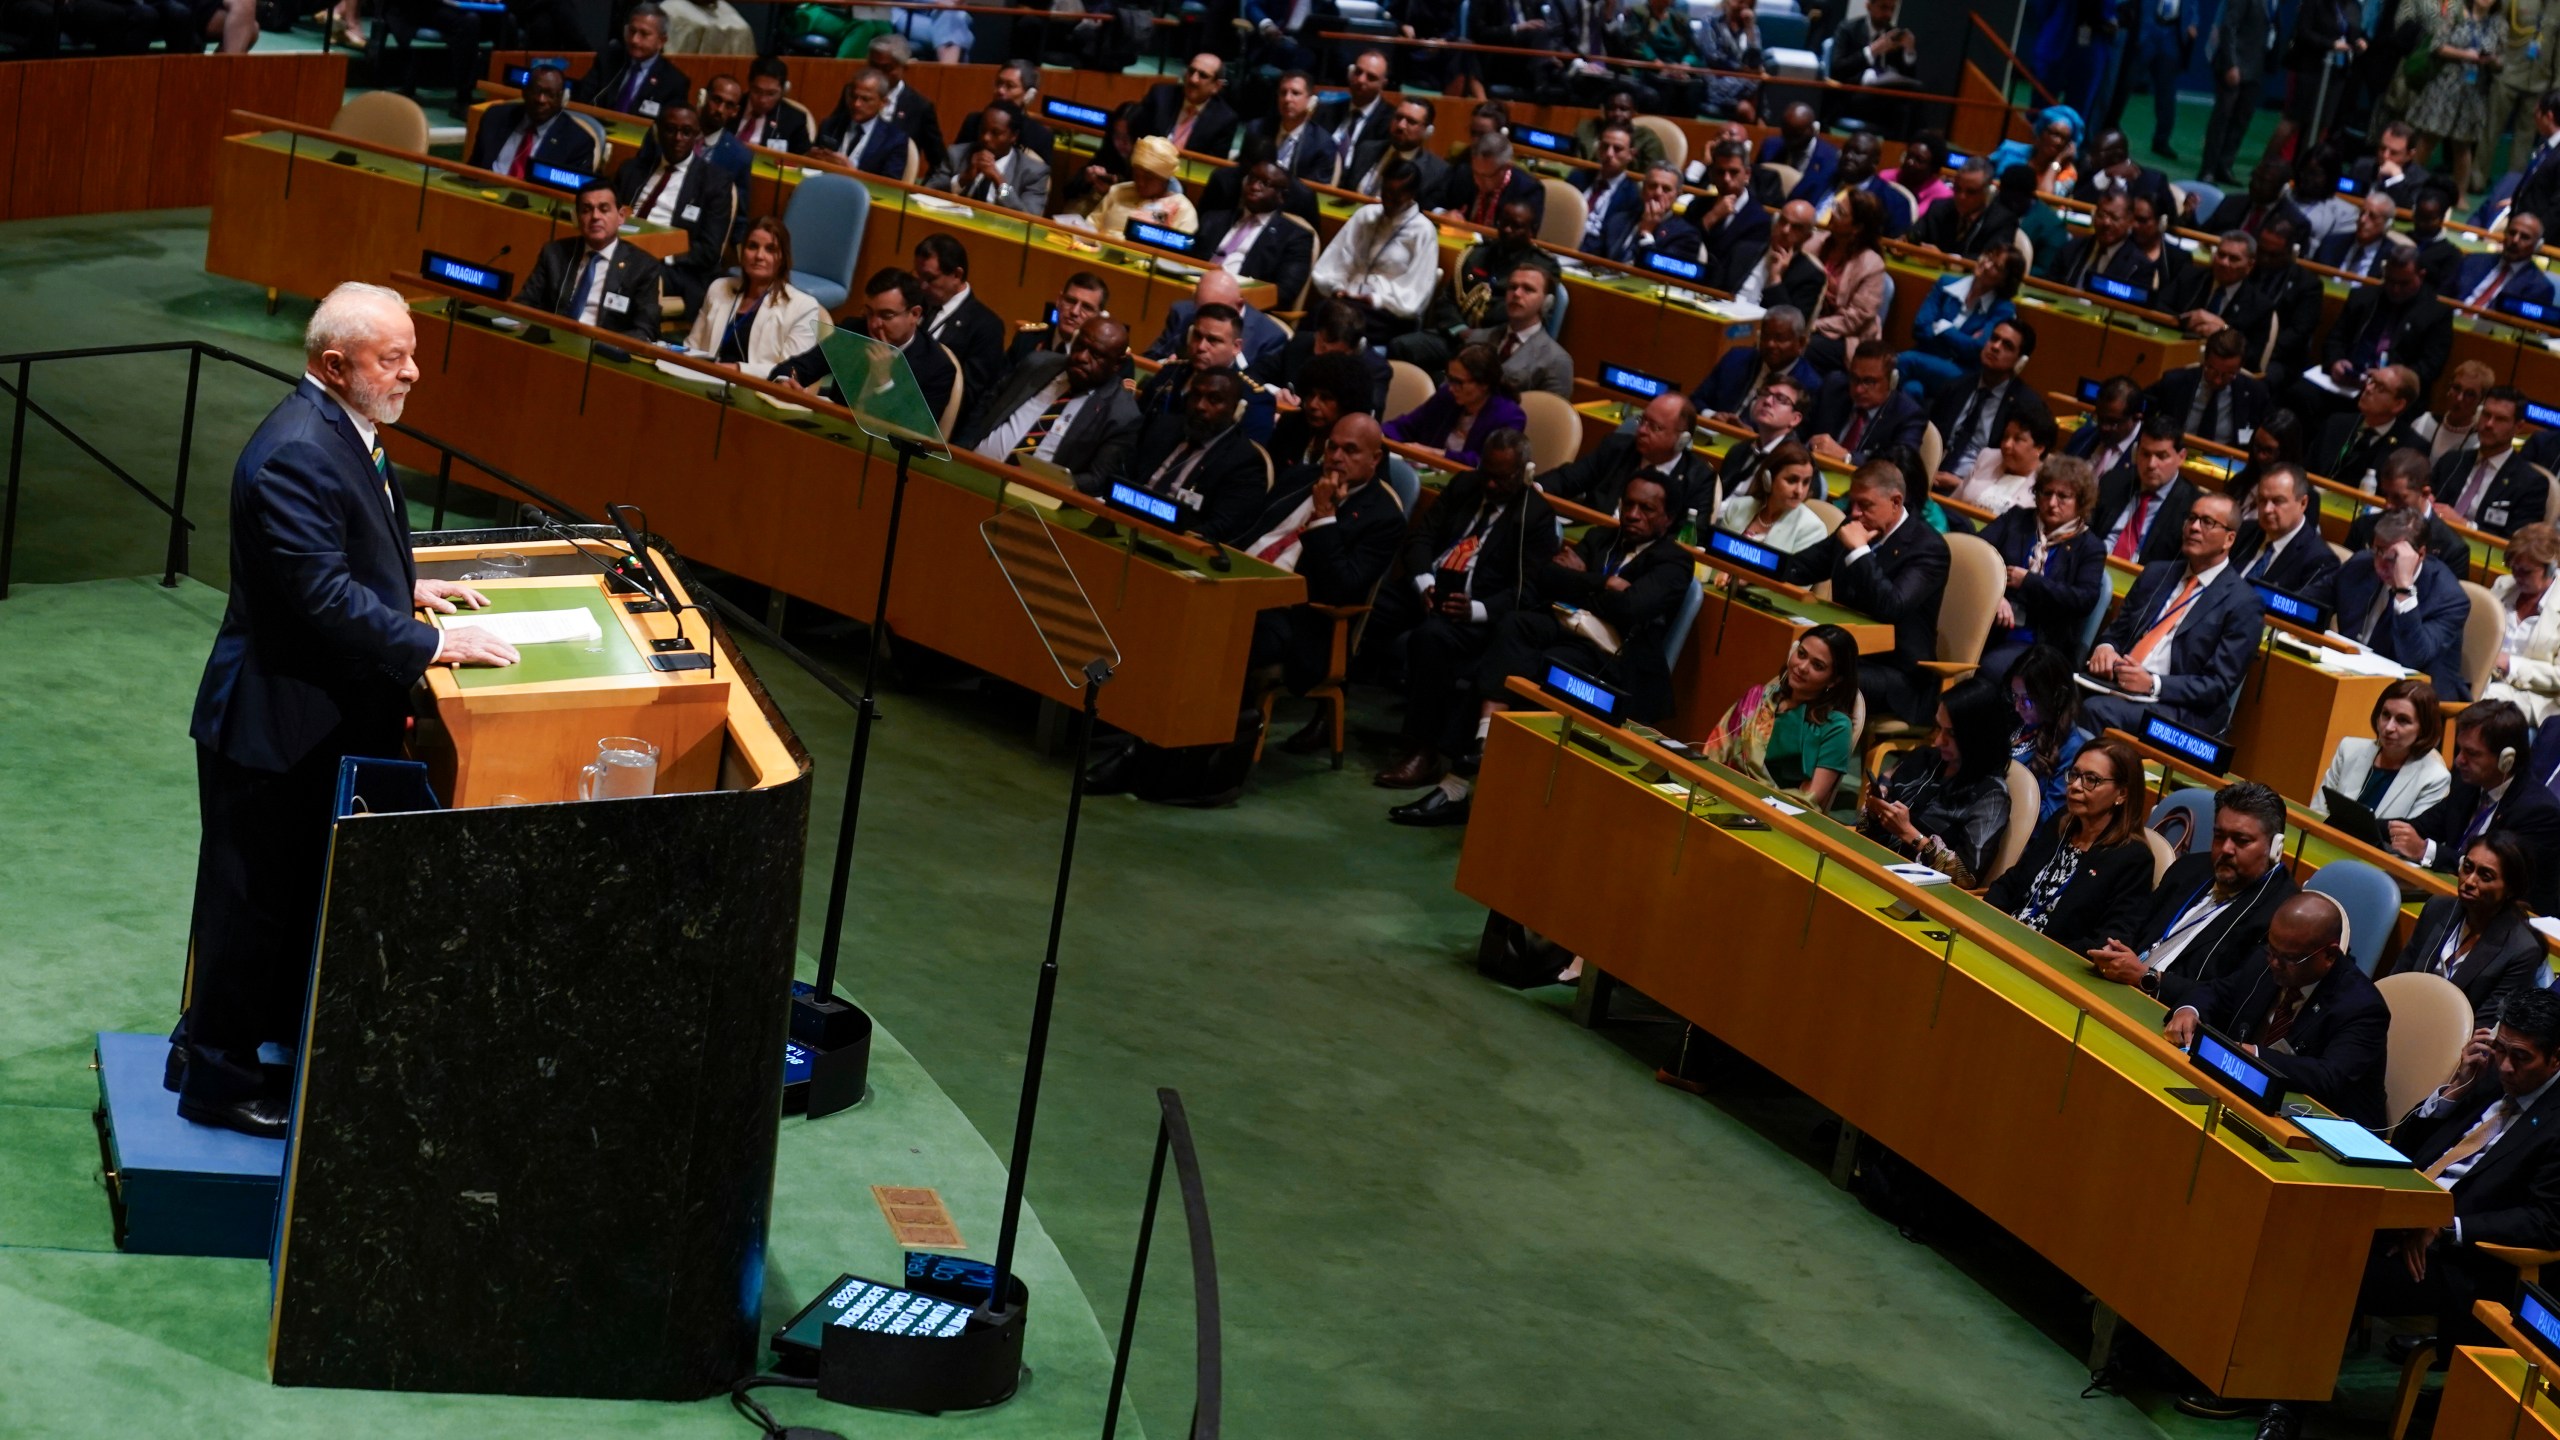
[
  {"x": 1393, "y": 264},
  {"x": 664, "y": 211},
  {"x": 603, "y": 260},
  {"x": 2158, "y": 660},
  {"x": 1001, "y": 440}
]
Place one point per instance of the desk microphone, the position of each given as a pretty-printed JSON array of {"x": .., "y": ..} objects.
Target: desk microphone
[
  {"x": 618, "y": 581},
  {"x": 620, "y": 515}
]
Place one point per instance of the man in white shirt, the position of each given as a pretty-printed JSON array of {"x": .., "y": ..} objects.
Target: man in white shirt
[
  {"x": 1385, "y": 258},
  {"x": 671, "y": 184},
  {"x": 2281, "y": 548},
  {"x": 592, "y": 277}
]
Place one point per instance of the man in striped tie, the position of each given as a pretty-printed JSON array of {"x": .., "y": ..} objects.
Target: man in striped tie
[
  {"x": 1065, "y": 410},
  {"x": 318, "y": 648}
]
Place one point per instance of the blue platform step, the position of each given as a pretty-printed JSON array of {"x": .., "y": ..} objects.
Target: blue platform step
[{"x": 176, "y": 1187}]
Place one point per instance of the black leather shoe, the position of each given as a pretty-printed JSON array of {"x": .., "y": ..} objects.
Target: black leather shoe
[
  {"x": 263, "y": 1117},
  {"x": 1316, "y": 735},
  {"x": 2399, "y": 1348},
  {"x": 2280, "y": 1423},
  {"x": 1434, "y": 808},
  {"x": 2208, "y": 1406}
]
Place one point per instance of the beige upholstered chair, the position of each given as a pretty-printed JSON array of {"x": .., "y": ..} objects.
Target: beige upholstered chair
[
  {"x": 1567, "y": 213},
  {"x": 2481, "y": 635},
  {"x": 384, "y": 117},
  {"x": 1555, "y": 431},
  {"x": 1407, "y": 388},
  {"x": 1675, "y": 141}
]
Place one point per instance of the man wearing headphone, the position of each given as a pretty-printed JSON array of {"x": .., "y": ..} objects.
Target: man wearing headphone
[
  {"x": 2309, "y": 1013},
  {"x": 2210, "y": 912},
  {"x": 2488, "y": 749},
  {"x": 1531, "y": 358}
]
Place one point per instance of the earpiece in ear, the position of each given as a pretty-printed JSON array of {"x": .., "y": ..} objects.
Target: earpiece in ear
[{"x": 2507, "y": 761}]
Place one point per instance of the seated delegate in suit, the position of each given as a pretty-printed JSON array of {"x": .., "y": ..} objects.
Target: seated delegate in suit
[
  {"x": 2221, "y": 295},
  {"x": 1530, "y": 357},
  {"x": 2209, "y": 914},
  {"x": 2350, "y": 445},
  {"x": 2361, "y": 250},
  {"x": 1468, "y": 407},
  {"x": 2483, "y": 1137},
  {"x": 1260, "y": 338},
  {"x": 2489, "y": 747},
  {"x": 1337, "y": 525},
  {"x": 1466, "y": 565},
  {"x": 995, "y": 167},
  {"x": 2085, "y": 875},
  {"x": 2527, "y": 672},
  {"x": 1256, "y": 241},
  {"x": 2401, "y": 486},
  {"x": 2493, "y": 488},
  {"x": 2486, "y": 281},
  {"x": 635, "y": 77},
  {"x": 1777, "y": 414},
  {"x": 1081, "y": 297},
  {"x": 2214, "y": 399},
  {"x": 2404, "y": 606},
  {"x": 1190, "y": 114},
  {"x": 1860, "y": 411},
  {"x": 2143, "y": 504},
  {"x": 1489, "y": 182},
  {"x": 1658, "y": 448},
  {"x": 1787, "y": 273},
  {"x": 861, "y": 133},
  {"x": 2479, "y": 937},
  {"x": 1613, "y": 189},
  {"x": 893, "y": 314},
  {"x": 1975, "y": 414},
  {"x": 1304, "y": 147},
  {"x": 1769, "y": 506},
  {"x": 2307, "y": 993},
  {"x": 1885, "y": 563},
  {"x": 1968, "y": 222},
  {"x": 2183, "y": 637},
  {"x": 1956, "y": 316},
  {"x": 592, "y": 277},
  {"x": 1946, "y": 804},
  {"x": 767, "y": 120},
  {"x": 1065, "y": 410},
  {"x": 1214, "y": 342},
  {"x": 1742, "y": 372},
  {"x": 1793, "y": 731},
  {"x": 954, "y": 315},
  {"x": 2400, "y": 772},
  {"x": 1733, "y": 227},
  {"x": 2106, "y": 251},
  {"x": 1201, "y": 459},
  {"x": 2453, "y": 426},
  {"x": 673, "y": 185},
  {"x": 2399, "y": 322},
  {"x": 2056, "y": 570},
  {"x": 1653, "y": 225},
  {"x": 755, "y": 320},
  {"x": 535, "y": 130}
]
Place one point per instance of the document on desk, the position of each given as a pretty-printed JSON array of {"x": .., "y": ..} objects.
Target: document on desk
[
  {"x": 2361, "y": 661},
  {"x": 530, "y": 627},
  {"x": 2093, "y": 683},
  {"x": 1917, "y": 874}
]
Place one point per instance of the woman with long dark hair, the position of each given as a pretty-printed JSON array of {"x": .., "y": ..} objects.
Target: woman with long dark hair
[
  {"x": 1795, "y": 730},
  {"x": 2049, "y": 736},
  {"x": 1471, "y": 404},
  {"x": 1947, "y": 803},
  {"x": 2479, "y": 937},
  {"x": 2085, "y": 876}
]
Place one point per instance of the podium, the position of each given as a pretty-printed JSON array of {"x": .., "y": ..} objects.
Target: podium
[{"x": 534, "y": 1126}]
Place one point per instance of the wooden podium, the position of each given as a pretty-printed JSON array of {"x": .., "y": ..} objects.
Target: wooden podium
[{"x": 534, "y": 1127}]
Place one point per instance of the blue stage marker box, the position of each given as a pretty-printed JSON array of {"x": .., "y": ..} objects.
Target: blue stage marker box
[{"x": 176, "y": 1187}]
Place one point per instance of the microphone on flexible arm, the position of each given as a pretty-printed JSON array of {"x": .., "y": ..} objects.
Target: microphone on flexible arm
[
  {"x": 620, "y": 515},
  {"x": 620, "y": 582}
]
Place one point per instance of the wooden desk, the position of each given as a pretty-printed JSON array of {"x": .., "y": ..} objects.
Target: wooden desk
[
  {"x": 1738, "y": 643},
  {"x": 286, "y": 216},
  {"x": 1991, "y": 1069},
  {"x": 797, "y": 503},
  {"x": 2073, "y": 337},
  {"x": 2484, "y": 1400},
  {"x": 2292, "y": 716}
]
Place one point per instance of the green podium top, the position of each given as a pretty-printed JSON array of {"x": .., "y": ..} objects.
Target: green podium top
[{"x": 558, "y": 659}]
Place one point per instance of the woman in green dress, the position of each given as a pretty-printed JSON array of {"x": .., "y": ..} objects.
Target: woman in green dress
[{"x": 1794, "y": 732}]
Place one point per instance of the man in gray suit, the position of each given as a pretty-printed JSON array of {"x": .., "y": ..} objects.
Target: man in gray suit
[
  {"x": 997, "y": 168},
  {"x": 2237, "y": 51},
  {"x": 1531, "y": 358},
  {"x": 1065, "y": 410}
]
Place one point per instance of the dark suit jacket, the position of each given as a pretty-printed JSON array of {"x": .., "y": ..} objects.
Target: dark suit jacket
[
  {"x": 786, "y": 128},
  {"x": 1034, "y": 137},
  {"x": 1343, "y": 562},
  {"x": 1620, "y": 242},
  {"x": 632, "y": 274},
  {"x": 2516, "y": 497},
  {"x": 2220, "y": 945},
  {"x": 975, "y": 338},
  {"x": 1523, "y": 535},
  {"x": 1283, "y": 367},
  {"x": 2174, "y": 394},
  {"x": 1228, "y": 487},
  {"x": 2511, "y": 1194},
  {"x": 317, "y": 635},
  {"x": 884, "y": 154},
  {"x": 2540, "y": 193},
  {"x": 2526, "y": 284},
  {"x": 2292, "y": 296},
  {"x": 2337, "y": 1039},
  {"x": 2340, "y": 249},
  {"x": 1282, "y": 254},
  {"x": 707, "y": 194},
  {"x": 1658, "y": 579},
  {"x": 1457, "y": 191},
  {"x": 1899, "y": 421},
  {"x": 1729, "y": 384},
  {"x": 2420, "y": 331},
  {"x": 1898, "y": 581},
  {"x": 2210, "y": 651},
  {"x": 2105, "y": 897},
  {"x": 2236, "y": 213},
  {"x": 2116, "y": 491},
  {"x": 2527, "y": 810},
  {"x": 2306, "y": 567},
  {"x": 1848, "y": 58},
  {"x": 1820, "y": 162},
  {"x": 2428, "y": 638},
  {"x": 565, "y": 144},
  {"x": 2344, "y": 454},
  {"x": 1097, "y": 440},
  {"x": 1333, "y": 114},
  {"x": 1941, "y": 228},
  {"x": 2190, "y": 287},
  {"x": 1435, "y": 171},
  {"x": 2019, "y": 399},
  {"x": 1319, "y": 156},
  {"x": 2443, "y": 542},
  {"x": 1213, "y": 133},
  {"x": 1801, "y": 286},
  {"x": 2053, "y": 602},
  {"x": 916, "y": 115},
  {"x": 2502, "y": 960},
  {"x": 1598, "y": 478},
  {"x": 602, "y": 84},
  {"x": 2128, "y": 264},
  {"x": 1734, "y": 242},
  {"x": 2403, "y": 190}
]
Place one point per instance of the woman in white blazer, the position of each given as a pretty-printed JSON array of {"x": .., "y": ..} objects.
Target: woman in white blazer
[
  {"x": 2401, "y": 771},
  {"x": 2528, "y": 668},
  {"x": 755, "y": 320}
]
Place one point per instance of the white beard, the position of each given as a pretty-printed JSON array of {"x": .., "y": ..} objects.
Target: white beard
[{"x": 381, "y": 406}]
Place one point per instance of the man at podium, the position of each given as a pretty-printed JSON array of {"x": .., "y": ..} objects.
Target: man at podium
[{"x": 318, "y": 648}]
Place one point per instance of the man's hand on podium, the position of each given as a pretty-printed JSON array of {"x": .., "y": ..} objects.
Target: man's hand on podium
[
  {"x": 439, "y": 595},
  {"x": 471, "y": 645}
]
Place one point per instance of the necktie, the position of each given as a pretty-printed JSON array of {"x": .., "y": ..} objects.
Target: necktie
[
  {"x": 1857, "y": 431},
  {"x": 1237, "y": 236},
  {"x": 524, "y": 153},
  {"x": 2167, "y": 622},
  {"x": 631, "y": 86},
  {"x": 2221, "y": 298},
  {"x": 1040, "y": 428},
  {"x": 2196, "y": 411},
  {"x": 2473, "y": 493},
  {"x": 2266, "y": 558},
  {"x": 2479, "y": 818},
  {"x": 1348, "y": 140},
  {"x": 2280, "y": 1020},
  {"x": 586, "y": 283},
  {"x": 1181, "y": 136},
  {"x": 382, "y": 470},
  {"x": 2476, "y": 1139},
  {"x": 1510, "y": 346},
  {"x": 2355, "y": 438},
  {"x": 853, "y": 141},
  {"x": 2497, "y": 281},
  {"x": 1962, "y": 438},
  {"x": 2129, "y": 539},
  {"x": 2372, "y": 618},
  {"x": 1288, "y": 148},
  {"x": 657, "y": 187},
  {"x": 1270, "y": 554}
]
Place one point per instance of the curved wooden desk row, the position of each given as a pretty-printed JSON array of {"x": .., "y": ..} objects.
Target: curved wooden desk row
[
  {"x": 1990, "y": 1058},
  {"x": 799, "y": 500},
  {"x": 2498, "y": 1394},
  {"x": 93, "y": 134}
]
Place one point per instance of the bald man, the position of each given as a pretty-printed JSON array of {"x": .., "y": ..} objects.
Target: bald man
[
  {"x": 2304, "y": 1008},
  {"x": 1263, "y": 340},
  {"x": 318, "y": 648},
  {"x": 1786, "y": 274}
]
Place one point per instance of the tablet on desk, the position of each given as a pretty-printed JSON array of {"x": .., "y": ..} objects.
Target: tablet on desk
[
  {"x": 2349, "y": 1143},
  {"x": 2349, "y": 815}
]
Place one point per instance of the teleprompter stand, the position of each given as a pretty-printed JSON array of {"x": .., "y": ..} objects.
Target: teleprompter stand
[
  {"x": 831, "y": 1034},
  {"x": 908, "y": 1350}
]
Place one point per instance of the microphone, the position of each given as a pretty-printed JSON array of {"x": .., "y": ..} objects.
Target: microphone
[
  {"x": 619, "y": 582},
  {"x": 620, "y": 515}
]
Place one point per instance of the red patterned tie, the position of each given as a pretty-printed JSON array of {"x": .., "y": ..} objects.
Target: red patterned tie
[
  {"x": 2129, "y": 540},
  {"x": 2280, "y": 1020}
]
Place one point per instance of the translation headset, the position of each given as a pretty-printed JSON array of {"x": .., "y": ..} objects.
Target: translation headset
[{"x": 2346, "y": 927}]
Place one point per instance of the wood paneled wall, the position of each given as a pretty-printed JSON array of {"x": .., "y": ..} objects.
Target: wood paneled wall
[{"x": 86, "y": 136}]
